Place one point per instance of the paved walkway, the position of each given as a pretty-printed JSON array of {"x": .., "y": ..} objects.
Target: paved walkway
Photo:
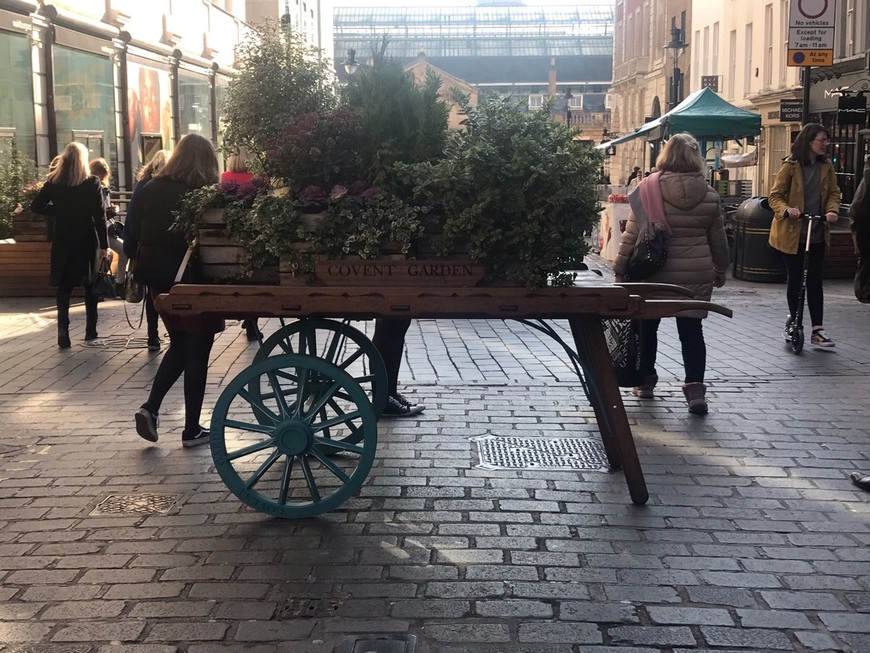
[{"x": 753, "y": 539}]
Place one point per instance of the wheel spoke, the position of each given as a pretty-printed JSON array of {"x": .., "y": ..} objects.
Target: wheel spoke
[
  {"x": 354, "y": 429},
  {"x": 322, "y": 399},
  {"x": 285, "y": 481},
  {"x": 339, "y": 444},
  {"x": 303, "y": 382},
  {"x": 347, "y": 362},
  {"x": 257, "y": 405},
  {"x": 339, "y": 419},
  {"x": 309, "y": 479},
  {"x": 252, "y": 481},
  {"x": 331, "y": 466},
  {"x": 277, "y": 393},
  {"x": 247, "y": 426},
  {"x": 253, "y": 448}
]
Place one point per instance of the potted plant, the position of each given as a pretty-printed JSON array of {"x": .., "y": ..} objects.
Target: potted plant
[
  {"x": 516, "y": 189},
  {"x": 18, "y": 187}
]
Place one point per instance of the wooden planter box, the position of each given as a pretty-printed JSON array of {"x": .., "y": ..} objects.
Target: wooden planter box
[
  {"x": 220, "y": 259},
  {"x": 29, "y": 227}
]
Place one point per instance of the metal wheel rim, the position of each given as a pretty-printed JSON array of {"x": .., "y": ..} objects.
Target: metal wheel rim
[
  {"x": 284, "y": 467},
  {"x": 342, "y": 345}
]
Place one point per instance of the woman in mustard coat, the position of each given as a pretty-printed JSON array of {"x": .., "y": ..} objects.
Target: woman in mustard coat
[{"x": 805, "y": 184}]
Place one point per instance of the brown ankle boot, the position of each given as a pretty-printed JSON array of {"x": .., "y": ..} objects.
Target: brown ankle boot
[{"x": 695, "y": 396}]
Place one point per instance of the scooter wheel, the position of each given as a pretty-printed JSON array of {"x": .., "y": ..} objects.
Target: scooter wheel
[{"x": 797, "y": 339}]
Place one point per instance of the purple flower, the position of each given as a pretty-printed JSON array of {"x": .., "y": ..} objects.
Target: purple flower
[{"x": 312, "y": 195}]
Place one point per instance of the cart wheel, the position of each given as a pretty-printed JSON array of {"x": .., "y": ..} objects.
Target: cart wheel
[
  {"x": 797, "y": 339},
  {"x": 284, "y": 463},
  {"x": 338, "y": 343}
]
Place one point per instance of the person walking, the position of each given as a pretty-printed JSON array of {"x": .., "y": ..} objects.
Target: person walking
[
  {"x": 238, "y": 172},
  {"x": 679, "y": 196},
  {"x": 805, "y": 184},
  {"x": 161, "y": 252},
  {"x": 100, "y": 169},
  {"x": 131, "y": 239},
  {"x": 859, "y": 221},
  {"x": 72, "y": 199}
]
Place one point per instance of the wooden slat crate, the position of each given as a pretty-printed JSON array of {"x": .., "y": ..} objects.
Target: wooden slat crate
[{"x": 24, "y": 269}]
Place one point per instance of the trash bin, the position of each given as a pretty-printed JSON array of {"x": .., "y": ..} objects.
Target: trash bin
[{"x": 754, "y": 259}]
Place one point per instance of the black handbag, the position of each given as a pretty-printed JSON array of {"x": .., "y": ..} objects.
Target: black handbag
[
  {"x": 623, "y": 343},
  {"x": 862, "y": 281},
  {"x": 648, "y": 255},
  {"x": 104, "y": 284},
  {"x": 134, "y": 292}
]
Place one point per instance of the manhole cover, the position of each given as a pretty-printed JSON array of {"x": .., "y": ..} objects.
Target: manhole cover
[
  {"x": 136, "y": 504},
  {"x": 118, "y": 343},
  {"x": 294, "y": 608},
  {"x": 540, "y": 453}
]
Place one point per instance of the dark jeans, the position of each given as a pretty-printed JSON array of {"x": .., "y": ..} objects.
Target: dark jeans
[
  {"x": 794, "y": 264},
  {"x": 692, "y": 343},
  {"x": 187, "y": 353},
  {"x": 151, "y": 316},
  {"x": 64, "y": 294},
  {"x": 389, "y": 340}
]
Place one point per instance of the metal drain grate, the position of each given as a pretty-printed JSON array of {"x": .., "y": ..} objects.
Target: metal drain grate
[
  {"x": 136, "y": 504},
  {"x": 540, "y": 453},
  {"x": 119, "y": 343},
  {"x": 294, "y": 608}
]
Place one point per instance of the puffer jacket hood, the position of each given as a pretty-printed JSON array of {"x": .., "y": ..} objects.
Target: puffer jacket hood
[{"x": 685, "y": 191}]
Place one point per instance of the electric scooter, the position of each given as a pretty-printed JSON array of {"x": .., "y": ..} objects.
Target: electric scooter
[{"x": 794, "y": 326}]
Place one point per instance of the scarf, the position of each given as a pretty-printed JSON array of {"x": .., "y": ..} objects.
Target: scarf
[{"x": 648, "y": 206}]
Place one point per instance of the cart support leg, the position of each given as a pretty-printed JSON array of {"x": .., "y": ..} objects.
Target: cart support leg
[{"x": 588, "y": 335}]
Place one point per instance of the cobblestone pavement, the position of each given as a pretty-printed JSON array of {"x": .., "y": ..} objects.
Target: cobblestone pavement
[{"x": 753, "y": 538}]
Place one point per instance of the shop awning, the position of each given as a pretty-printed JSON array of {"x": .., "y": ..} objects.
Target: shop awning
[{"x": 704, "y": 115}]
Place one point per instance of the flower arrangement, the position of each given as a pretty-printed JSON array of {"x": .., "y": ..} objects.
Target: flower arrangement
[{"x": 615, "y": 198}]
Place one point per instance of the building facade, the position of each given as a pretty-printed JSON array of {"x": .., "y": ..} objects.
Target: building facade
[
  {"x": 563, "y": 52},
  {"x": 649, "y": 78},
  {"x": 739, "y": 47},
  {"x": 124, "y": 78}
]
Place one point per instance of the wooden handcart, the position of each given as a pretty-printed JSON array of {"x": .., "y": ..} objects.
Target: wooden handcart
[{"x": 294, "y": 434}]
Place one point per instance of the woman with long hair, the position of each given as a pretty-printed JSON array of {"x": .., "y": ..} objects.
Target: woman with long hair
[
  {"x": 100, "y": 169},
  {"x": 679, "y": 198},
  {"x": 193, "y": 164},
  {"x": 131, "y": 238},
  {"x": 805, "y": 184},
  {"x": 72, "y": 198}
]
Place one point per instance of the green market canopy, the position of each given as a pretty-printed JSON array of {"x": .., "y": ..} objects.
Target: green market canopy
[{"x": 704, "y": 115}]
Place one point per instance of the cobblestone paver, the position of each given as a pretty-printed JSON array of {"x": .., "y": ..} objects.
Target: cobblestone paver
[{"x": 753, "y": 538}]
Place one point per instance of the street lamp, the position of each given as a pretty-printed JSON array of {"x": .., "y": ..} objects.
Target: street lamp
[
  {"x": 677, "y": 46},
  {"x": 351, "y": 65}
]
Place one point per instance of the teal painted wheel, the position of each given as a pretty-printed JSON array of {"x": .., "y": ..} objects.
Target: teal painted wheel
[
  {"x": 311, "y": 445},
  {"x": 338, "y": 343}
]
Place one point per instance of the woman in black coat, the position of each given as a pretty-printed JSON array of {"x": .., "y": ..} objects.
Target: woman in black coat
[
  {"x": 160, "y": 253},
  {"x": 74, "y": 201}
]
